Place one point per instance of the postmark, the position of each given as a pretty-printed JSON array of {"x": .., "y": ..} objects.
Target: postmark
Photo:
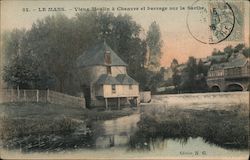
[{"x": 217, "y": 22}]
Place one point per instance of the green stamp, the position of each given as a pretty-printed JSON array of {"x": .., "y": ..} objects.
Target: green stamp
[
  {"x": 218, "y": 21},
  {"x": 237, "y": 34}
]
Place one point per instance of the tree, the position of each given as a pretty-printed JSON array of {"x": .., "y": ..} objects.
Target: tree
[
  {"x": 154, "y": 43},
  {"x": 228, "y": 49},
  {"x": 176, "y": 80},
  {"x": 13, "y": 43},
  {"x": 201, "y": 69},
  {"x": 123, "y": 36},
  {"x": 51, "y": 40},
  {"x": 191, "y": 70},
  {"x": 23, "y": 72},
  {"x": 176, "y": 75},
  {"x": 239, "y": 47},
  {"x": 194, "y": 76},
  {"x": 174, "y": 64},
  {"x": 246, "y": 52},
  {"x": 192, "y": 67},
  {"x": 217, "y": 52},
  {"x": 55, "y": 43},
  {"x": 201, "y": 74}
]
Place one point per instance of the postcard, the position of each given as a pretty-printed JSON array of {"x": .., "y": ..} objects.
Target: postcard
[{"x": 124, "y": 79}]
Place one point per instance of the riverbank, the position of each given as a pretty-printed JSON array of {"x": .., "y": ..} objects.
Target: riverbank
[
  {"x": 50, "y": 127},
  {"x": 226, "y": 126}
]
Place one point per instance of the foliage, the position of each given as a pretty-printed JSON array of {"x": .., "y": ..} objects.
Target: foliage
[
  {"x": 174, "y": 64},
  {"x": 13, "y": 43},
  {"x": 56, "y": 41},
  {"x": 194, "y": 77},
  {"x": 50, "y": 127},
  {"x": 176, "y": 80},
  {"x": 154, "y": 81},
  {"x": 239, "y": 47},
  {"x": 154, "y": 44},
  {"x": 217, "y": 52},
  {"x": 226, "y": 128},
  {"x": 246, "y": 52},
  {"x": 189, "y": 84},
  {"x": 201, "y": 68},
  {"x": 229, "y": 50},
  {"x": 23, "y": 71},
  {"x": 176, "y": 74}
]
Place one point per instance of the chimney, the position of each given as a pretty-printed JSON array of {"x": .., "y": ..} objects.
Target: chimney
[{"x": 107, "y": 57}]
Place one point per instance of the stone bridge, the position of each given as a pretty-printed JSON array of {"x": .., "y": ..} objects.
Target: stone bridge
[{"x": 225, "y": 85}]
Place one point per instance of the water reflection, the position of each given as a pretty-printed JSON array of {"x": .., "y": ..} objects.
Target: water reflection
[
  {"x": 123, "y": 135},
  {"x": 113, "y": 138},
  {"x": 115, "y": 132},
  {"x": 111, "y": 141}
]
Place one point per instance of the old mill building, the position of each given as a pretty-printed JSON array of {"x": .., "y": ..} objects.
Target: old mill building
[
  {"x": 104, "y": 79},
  {"x": 230, "y": 76}
]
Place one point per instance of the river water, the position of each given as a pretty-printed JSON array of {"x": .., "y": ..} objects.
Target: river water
[{"x": 112, "y": 142}]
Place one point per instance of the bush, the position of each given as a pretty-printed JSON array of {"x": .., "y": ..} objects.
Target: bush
[
  {"x": 12, "y": 128},
  {"x": 224, "y": 128}
]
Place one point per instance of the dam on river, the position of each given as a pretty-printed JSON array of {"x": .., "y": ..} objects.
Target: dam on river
[{"x": 217, "y": 98}]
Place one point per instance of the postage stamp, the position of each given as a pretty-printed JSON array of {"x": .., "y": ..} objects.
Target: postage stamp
[
  {"x": 237, "y": 33},
  {"x": 218, "y": 21}
]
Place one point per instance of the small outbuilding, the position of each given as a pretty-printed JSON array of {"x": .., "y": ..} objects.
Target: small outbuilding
[{"x": 104, "y": 79}]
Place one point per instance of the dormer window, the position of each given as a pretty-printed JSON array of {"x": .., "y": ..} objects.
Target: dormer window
[{"x": 107, "y": 57}]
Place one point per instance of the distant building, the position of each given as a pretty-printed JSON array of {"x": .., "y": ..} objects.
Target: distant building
[
  {"x": 167, "y": 73},
  {"x": 206, "y": 61},
  {"x": 217, "y": 58},
  {"x": 167, "y": 84},
  {"x": 233, "y": 75},
  {"x": 104, "y": 79}
]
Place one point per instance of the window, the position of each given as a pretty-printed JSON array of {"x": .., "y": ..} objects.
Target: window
[
  {"x": 130, "y": 86},
  {"x": 109, "y": 70},
  {"x": 113, "y": 88}
]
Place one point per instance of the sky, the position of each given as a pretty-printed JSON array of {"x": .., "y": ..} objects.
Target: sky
[{"x": 177, "y": 41}]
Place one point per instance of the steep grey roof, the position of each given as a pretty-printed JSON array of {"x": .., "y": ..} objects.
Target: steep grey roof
[
  {"x": 125, "y": 79},
  {"x": 218, "y": 66},
  {"x": 236, "y": 55},
  {"x": 238, "y": 62},
  {"x": 95, "y": 56},
  {"x": 107, "y": 79},
  {"x": 217, "y": 58},
  {"x": 122, "y": 79}
]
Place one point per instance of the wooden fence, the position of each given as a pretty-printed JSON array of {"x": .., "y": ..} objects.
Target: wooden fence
[{"x": 21, "y": 95}]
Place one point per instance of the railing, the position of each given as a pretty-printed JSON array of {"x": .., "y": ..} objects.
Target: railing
[
  {"x": 22, "y": 95},
  {"x": 237, "y": 75}
]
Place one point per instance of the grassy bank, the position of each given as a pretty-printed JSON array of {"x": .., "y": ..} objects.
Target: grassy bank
[
  {"x": 46, "y": 110},
  {"x": 49, "y": 127},
  {"x": 226, "y": 128}
]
